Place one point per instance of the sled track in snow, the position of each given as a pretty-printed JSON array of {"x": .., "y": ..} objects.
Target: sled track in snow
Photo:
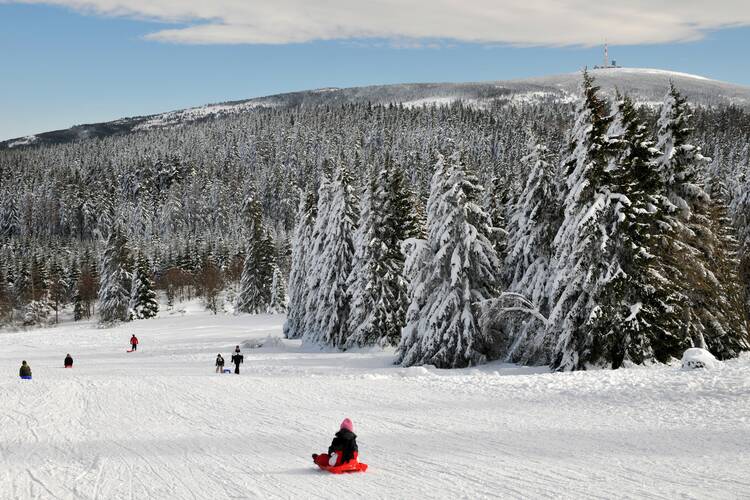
[{"x": 160, "y": 424}]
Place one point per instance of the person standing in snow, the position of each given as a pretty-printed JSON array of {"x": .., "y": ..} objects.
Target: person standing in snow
[
  {"x": 343, "y": 447},
  {"x": 219, "y": 363},
  {"x": 237, "y": 359},
  {"x": 68, "y": 361},
  {"x": 25, "y": 371},
  {"x": 134, "y": 343}
]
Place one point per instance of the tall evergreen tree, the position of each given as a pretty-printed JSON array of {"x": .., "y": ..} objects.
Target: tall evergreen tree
[
  {"x": 532, "y": 226},
  {"x": 328, "y": 301},
  {"x": 257, "y": 271},
  {"x": 452, "y": 272},
  {"x": 695, "y": 247},
  {"x": 114, "y": 292},
  {"x": 144, "y": 304},
  {"x": 302, "y": 252},
  {"x": 57, "y": 286},
  {"x": 278, "y": 302},
  {"x": 579, "y": 261},
  {"x": 633, "y": 320}
]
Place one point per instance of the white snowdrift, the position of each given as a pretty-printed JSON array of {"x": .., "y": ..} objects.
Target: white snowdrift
[
  {"x": 697, "y": 358},
  {"x": 160, "y": 423}
]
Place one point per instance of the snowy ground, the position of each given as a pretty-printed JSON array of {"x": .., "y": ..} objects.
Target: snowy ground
[{"x": 160, "y": 424}]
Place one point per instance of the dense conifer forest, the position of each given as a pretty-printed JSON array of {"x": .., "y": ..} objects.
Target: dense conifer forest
[{"x": 598, "y": 233}]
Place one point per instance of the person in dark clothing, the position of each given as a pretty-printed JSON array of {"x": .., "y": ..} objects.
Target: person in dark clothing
[
  {"x": 25, "y": 371},
  {"x": 134, "y": 343},
  {"x": 68, "y": 361},
  {"x": 237, "y": 359},
  {"x": 237, "y": 349},
  {"x": 219, "y": 363},
  {"x": 343, "y": 448}
]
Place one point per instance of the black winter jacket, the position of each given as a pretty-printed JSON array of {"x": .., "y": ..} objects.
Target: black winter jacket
[
  {"x": 346, "y": 443},
  {"x": 68, "y": 361},
  {"x": 237, "y": 359}
]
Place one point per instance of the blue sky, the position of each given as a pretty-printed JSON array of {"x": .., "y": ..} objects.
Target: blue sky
[{"x": 62, "y": 66}]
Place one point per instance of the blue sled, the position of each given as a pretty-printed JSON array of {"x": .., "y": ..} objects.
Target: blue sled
[
  {"x": 227, "y": 370},
  {"x": 26, "y": 378}
]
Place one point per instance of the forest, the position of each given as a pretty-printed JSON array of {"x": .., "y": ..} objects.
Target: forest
[{"x": 598, "y": 233}]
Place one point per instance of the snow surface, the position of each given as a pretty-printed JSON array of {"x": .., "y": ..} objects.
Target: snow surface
[
  {"x": 159, "y": 423},
  {"x": 647, "y": 71},
  {"x": 192, "y": 114}
]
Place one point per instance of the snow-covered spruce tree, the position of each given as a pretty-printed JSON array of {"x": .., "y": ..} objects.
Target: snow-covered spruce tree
[
  {"x": 302, "y": 252},
  {"x": 6, "y": 299},
  {"x": 377, "y": 285},
  {"x": 741, "y": 221},
  {"x": 328, "y": 301},
  {"x": 532, "y": 225},
  {"x": 579, "y": 261},
  {"x": 693, "y": 247},
  {"x": 725, "y": 318},
  {"x": 498, "y": 202},
  {"x": 452, "y": 272},
  {"x": 278, "y": 302},
  {"x": 144, "y": 304},
  {"x": 115, "y": 278},
  {"x": 57, "y": 286},
  {"x": 633, "y": 319},
  {"x": 257, "y": 273}
]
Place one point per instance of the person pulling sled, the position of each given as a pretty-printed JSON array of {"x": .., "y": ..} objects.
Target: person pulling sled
[
  {"x": 68, "y": 361},
  {"x": 343, "y": 454},
  {"x": 237, "y": 359},
  {"x": 133, "y": 343}
]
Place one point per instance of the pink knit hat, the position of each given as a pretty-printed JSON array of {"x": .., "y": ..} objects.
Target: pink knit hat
[{"x": 348, "y": 425}]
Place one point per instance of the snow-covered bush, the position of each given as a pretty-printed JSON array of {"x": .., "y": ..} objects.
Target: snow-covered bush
[{"x": 36, "y": 312}]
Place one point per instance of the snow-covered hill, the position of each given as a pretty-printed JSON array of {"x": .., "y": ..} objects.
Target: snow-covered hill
[
  {"x": 647, "y": 85},
  {"x": 160, "y": 423}
]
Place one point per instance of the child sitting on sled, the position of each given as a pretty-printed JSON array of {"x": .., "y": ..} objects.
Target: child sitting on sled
[{"x": 343, "y": 449}]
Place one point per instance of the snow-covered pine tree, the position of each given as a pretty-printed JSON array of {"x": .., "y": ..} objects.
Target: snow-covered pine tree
[
  {"x": 498, "y": 202},
  {"x": 694, "y": 248},
  {"x": 328, "y": 301},
  {"x": 579, "y": 260},
  {"x": 144, "y": 304},
  {"x": 377, "y": 284},
  {"x": 6, "y": 298},
  {"x": 633, "y": 320},
  {"x": 114, "y": 292},
  {"x": 366, "y": 313},
  {"x": 452, "y": 272},
  {"x": 57, "y": 286},
  {"x": 741, "y": 221},
  {"x": 725, "y": 318},
  {"x": 302, "y": 253},
  {"x": 278, "y": 302},
  {"x": 257, "y": 273},
  {"x": 532, "y": 225}
]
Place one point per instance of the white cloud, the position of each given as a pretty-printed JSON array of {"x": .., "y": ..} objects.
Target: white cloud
[{"x": 520, "y": 22}]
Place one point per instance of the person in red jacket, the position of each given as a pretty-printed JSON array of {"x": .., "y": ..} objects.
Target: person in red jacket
[
  {"x": 134, "y": 342},
  {"x": 343, "y": 448}
]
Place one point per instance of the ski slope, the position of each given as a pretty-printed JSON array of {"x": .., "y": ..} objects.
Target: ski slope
[{"x": 160, "y": 424}]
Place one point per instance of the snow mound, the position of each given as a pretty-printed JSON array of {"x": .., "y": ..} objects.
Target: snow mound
[
  {"x": 697, "y": 358},
  {"x": 270, "y": 342}
]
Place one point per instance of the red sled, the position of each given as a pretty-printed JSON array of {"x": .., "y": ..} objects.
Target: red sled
[{"x": 350, "y": 466}]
